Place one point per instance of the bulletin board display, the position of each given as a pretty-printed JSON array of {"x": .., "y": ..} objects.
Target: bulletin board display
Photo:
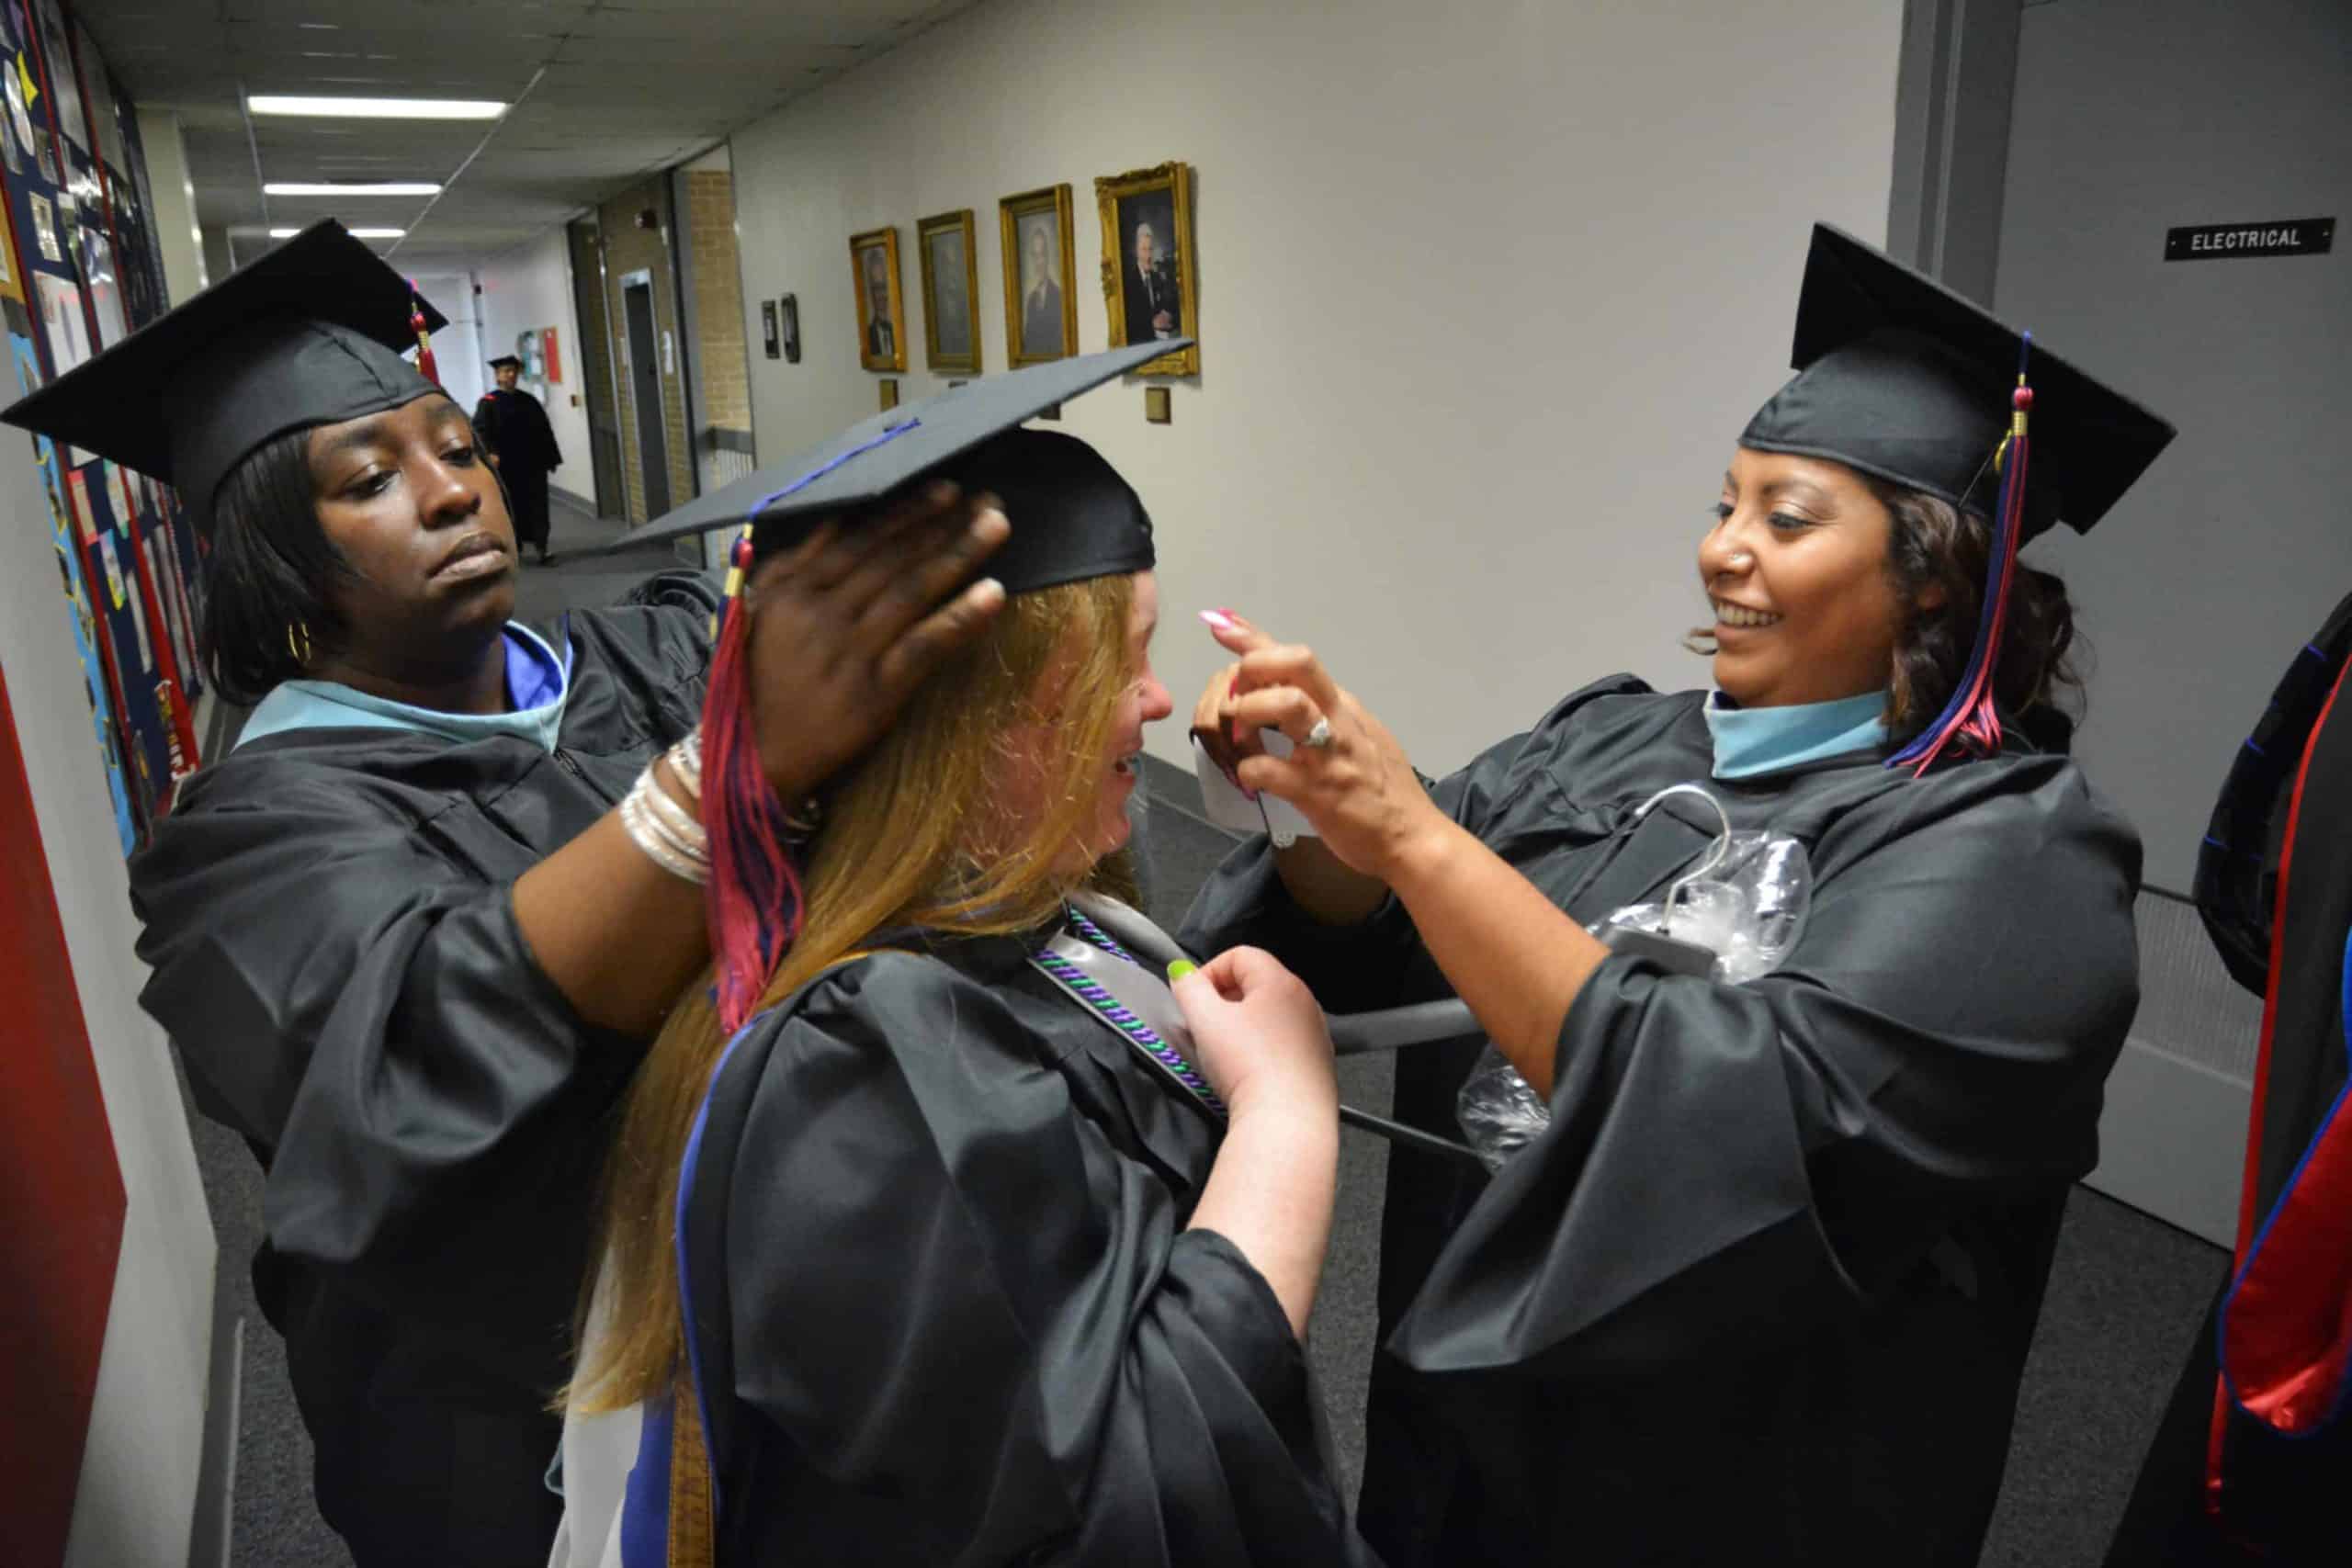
[{"x": 79, "y": 286}]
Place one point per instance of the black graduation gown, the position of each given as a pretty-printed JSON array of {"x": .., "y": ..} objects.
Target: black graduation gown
[
  {"x": 329, "y": 919},
  {"x": 2287, "y": 808},
  {"x": 945, "y": 1308},
  {"x": 1763, "y": 1291},
  {"x": 516, "y": 427}
]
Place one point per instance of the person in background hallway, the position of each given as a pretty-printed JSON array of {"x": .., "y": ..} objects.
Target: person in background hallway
[
  {"x": 512, "y": 424},
  {"x": 409, "y": 937},
  {"x": 1760, "y": 1290}
]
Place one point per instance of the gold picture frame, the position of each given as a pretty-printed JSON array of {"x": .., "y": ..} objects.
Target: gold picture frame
[
  {"x": 1146, "y": 199},
  {"x": 1033, "y": 296},
  {"x": 951, "y": 325},
  {"x": 885, "y": 349}
]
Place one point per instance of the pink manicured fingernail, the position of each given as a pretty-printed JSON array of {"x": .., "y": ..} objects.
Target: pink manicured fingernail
[{"x": 1218, "y": 619}]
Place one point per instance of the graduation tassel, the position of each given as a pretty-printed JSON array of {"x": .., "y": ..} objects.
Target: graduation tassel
[
  {"x": 1971, "y": 717},
  {"x": 754, "y": 899},
  {"x": 425, "y": 362}
]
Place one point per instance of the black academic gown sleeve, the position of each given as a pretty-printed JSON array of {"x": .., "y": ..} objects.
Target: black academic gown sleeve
[
  {"x": 492, "y": 423},
  {"x": 1719, "y": 1153},
  {"x": 551, "y": 455},
  {"x": 967, "y": 1318}
]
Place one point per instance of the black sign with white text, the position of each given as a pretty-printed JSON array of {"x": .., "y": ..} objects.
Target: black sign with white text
[{"x": 2279, "y": 237}]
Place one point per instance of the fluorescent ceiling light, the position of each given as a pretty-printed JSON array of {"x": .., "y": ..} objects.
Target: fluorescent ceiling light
[
  {"x": 350, "y": 188},
  {"x": 356, "y": 234},
  {"x": 378, "y": 109}
]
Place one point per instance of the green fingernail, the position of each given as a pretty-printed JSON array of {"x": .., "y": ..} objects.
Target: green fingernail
[{"x": 1180, "y": 968}]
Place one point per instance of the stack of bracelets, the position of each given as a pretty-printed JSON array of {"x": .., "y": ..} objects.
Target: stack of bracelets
[{"x": 671, "y": 835}]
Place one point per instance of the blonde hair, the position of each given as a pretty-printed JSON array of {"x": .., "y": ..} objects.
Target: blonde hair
[{"x": 914, "y": 835}]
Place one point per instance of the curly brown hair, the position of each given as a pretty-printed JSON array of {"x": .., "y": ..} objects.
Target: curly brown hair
[{"x": 1932, "y": 544}]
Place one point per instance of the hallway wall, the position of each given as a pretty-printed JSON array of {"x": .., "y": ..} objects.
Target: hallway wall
[{"x": 1486, "y": 292}]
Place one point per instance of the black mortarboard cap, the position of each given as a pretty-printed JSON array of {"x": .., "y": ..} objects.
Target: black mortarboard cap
[
  {"x": 309, "y": 335},
  {"x": 1905, "y": 381},
  {"x": 505, "y": 359},
  {"x": 1073, "y": 517}
]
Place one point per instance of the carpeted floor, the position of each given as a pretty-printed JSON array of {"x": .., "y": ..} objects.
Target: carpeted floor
[{"x": 2126, "y": 1295}]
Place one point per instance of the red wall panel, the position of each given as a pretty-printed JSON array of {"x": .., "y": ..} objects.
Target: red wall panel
[{"x": 61, "y": 1190}]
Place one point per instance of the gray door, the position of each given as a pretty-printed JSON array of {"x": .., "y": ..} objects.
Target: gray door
[
  {"x": 2132, "y": 117},
  {"x": 645, "y": 388}
]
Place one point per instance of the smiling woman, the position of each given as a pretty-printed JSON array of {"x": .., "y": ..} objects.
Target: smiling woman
[
  {"x": 410, "y": 936},
  {"x": 1782, "y": 1242}
]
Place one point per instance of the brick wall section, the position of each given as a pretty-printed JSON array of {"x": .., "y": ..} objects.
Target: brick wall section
[
  {"x": 627, "y": 249},
  {"x": 719, "y": 300}
]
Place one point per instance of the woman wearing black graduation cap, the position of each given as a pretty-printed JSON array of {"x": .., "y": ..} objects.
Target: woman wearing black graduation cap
[
  {"x": 412, "y": 935},
  {"x": 925, "y": 1242},
  {"x": 1761, "y": 1290}
]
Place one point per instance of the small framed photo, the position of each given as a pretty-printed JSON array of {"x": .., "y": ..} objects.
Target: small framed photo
[
  {"x": 951, "y": 282},
  {"x": 1040, "y": 259},
  {"x": 881, "y": 309},
  {"x": 789, "y": 308},
  {"x": 768, "y": 334},
  {"x": 1148, "y": 261}
]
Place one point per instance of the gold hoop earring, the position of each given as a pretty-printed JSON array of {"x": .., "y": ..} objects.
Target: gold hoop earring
[{"x": 298, "y": 643}]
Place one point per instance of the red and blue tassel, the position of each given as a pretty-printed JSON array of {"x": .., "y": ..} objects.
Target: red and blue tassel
[
  {"x": 754, "y": 899},
  {"x": 1971, "y": 719},
  {"x": 424, "y": 361}
]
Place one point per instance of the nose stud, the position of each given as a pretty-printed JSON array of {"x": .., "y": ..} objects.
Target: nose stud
[{"x": 1740, "y": 561}]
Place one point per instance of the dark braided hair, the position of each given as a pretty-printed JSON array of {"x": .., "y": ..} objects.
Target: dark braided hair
[
  {"x": 1931, "y": 543},
  {"x": 269, "y": 570}
]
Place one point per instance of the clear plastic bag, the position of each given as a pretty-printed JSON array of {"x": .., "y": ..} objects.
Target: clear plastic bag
[{"x": 1746, "y": 903}]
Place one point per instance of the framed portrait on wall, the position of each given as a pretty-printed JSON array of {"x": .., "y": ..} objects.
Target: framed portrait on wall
[
  {"x": 1040, "y": 259},
  {"x": 951, "y": 282},
  {"x": 881, "y": 309},
  {"x": 1148, "y": 261}
]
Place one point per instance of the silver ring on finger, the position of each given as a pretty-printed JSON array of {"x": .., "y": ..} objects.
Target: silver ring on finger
[{"x": 1319, "y": 737}]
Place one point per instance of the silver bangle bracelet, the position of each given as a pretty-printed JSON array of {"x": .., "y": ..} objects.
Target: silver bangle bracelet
[
  {"x": 654, "y": 840},
  {"x": 684, "y": 827},
  {"x": 685, "y": 761}
]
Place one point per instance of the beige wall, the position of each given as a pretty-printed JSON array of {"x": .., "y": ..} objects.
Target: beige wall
[{"x": 1486, "y": 292}]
